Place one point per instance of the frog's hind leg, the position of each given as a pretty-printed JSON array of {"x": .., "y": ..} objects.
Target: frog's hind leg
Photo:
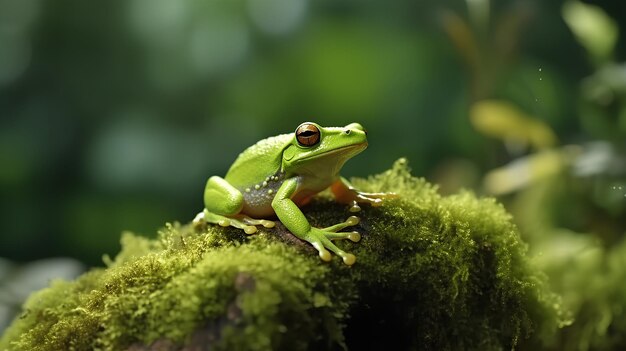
[
  {"x": 247, "y": 224},
  {"x": 251, "y": 221},
  {"x": 223, "y": 204}
]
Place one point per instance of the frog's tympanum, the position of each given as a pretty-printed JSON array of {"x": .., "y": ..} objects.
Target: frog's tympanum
[{"x": 278, "y": 175}]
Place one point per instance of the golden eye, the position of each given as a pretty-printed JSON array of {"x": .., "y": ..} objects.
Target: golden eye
[{"x": 307, "y": 134}]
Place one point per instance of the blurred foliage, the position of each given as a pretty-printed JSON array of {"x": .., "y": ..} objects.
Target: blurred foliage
[
  {"x": 114, "y": 114},
  {"x": 570, "y": 199}
]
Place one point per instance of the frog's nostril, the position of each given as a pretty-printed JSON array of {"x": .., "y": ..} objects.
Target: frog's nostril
[
  {"x": 347, "y": 131},
  {"x": 355, "y": 127}
]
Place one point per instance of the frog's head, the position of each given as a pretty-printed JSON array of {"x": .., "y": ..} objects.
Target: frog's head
[{"x": 317, "y": 150}]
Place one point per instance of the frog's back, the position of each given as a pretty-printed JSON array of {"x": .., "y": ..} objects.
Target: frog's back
[{"x": 258, "y": 162}]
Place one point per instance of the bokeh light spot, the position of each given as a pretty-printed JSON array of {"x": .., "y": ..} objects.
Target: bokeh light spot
[
  {"x": 158, "y": 22},
  {"x": 218, "y": 44},
  {"x": 277, "y": 16}
]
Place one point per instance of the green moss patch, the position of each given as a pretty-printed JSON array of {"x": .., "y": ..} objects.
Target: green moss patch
[{"x": 432, "y": 272}]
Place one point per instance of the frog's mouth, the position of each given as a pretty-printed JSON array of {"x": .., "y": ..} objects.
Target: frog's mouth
[
  {"x": 327, "y": 163},
  {"x": 348, "y": 150},
  {"x": 341, "y": 155}
]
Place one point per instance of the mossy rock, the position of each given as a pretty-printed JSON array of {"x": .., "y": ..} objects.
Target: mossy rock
[{"x": 432, "y": 272}]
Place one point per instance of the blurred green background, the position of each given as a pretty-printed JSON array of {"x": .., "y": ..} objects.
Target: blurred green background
[{"x": 114, "y": 114}]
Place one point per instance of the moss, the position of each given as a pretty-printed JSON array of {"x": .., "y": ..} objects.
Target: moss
[{"x": 432, "y": 272}]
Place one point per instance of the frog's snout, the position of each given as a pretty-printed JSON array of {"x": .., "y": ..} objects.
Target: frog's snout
[{"x": 354, "y": 127}]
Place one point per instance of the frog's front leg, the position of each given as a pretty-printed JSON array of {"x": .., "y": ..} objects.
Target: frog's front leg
[
  {"x": 345, "y": 193},
  {"x": 294, "y": 220},
  {"x": 223, "y": 204}
]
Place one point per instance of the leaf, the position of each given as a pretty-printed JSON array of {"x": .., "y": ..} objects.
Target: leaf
[
  {"x": 505, "y": 121},
  {"x": 593, "y": 28},
  {"x": 524, "y": 171}
]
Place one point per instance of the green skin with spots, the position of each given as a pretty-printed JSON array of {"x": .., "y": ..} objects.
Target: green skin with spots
[{"x": 278, "y": 175}]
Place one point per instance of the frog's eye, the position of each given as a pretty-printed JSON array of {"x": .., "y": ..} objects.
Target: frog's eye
[{"x": 307, "y": 134}]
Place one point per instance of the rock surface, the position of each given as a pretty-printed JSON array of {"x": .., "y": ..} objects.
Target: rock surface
[{"x": 432, "y": 272}]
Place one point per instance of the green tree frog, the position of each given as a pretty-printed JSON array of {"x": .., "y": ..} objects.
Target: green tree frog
[{"x": 278, "y": 175}]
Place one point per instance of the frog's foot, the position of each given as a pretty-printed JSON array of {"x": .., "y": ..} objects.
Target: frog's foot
[
  {"x": 247, "y": 224},
  {"x": 331, "y": 232},
  {"x": 321, "y": 238},
  {"x": 375, "y": 199},
  {"x": 198, "y": 221},
  {"x": 254, "y": 222},
  {"x": 321, "y": 243}
]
